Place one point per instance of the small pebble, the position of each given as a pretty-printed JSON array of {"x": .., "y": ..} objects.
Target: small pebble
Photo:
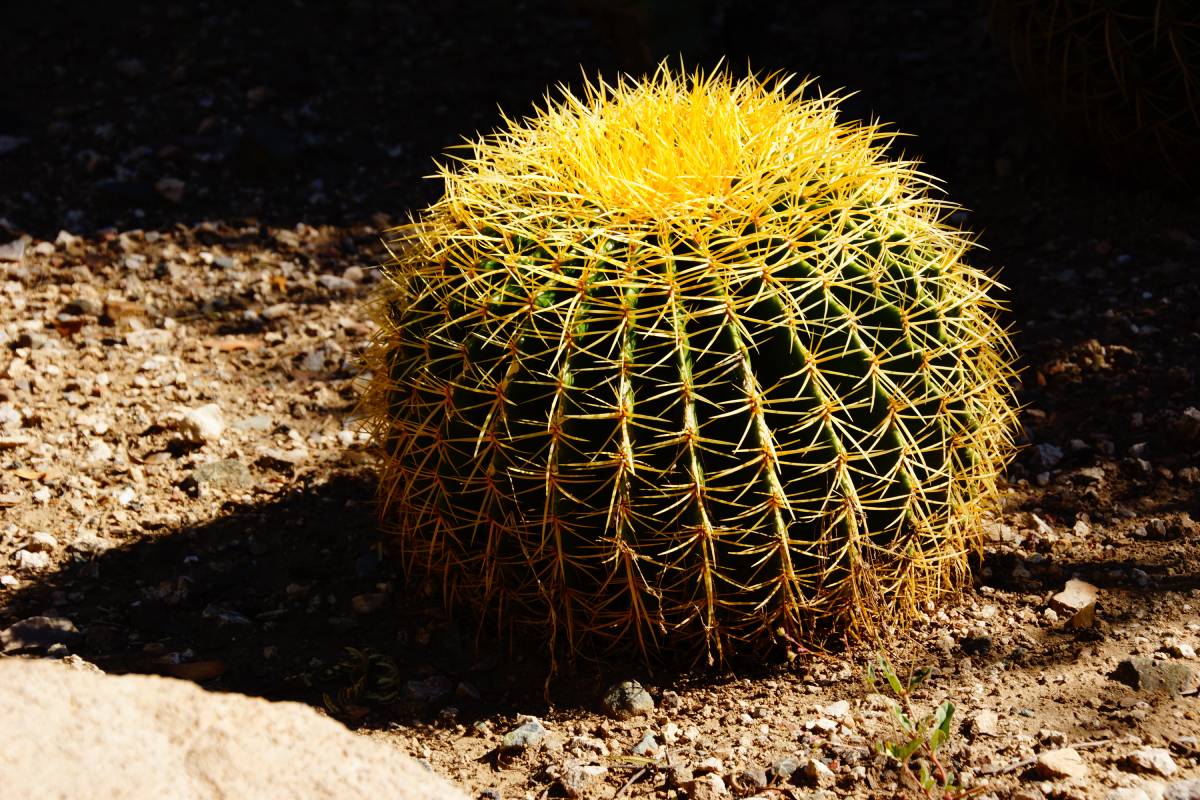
[
  {"x": 648, "y": 746},
  {"x": 627, "y": 699},
  {"x": 41, "y": 542},
  {"x": 203, "y": 424},
  {"x": 818, "y": 774},
  {"x": 527, "y": 735},
  {"x": 30, "y": 561}
]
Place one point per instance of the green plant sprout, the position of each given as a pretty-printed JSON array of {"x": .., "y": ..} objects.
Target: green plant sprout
[{"x": 923, "y": 736}]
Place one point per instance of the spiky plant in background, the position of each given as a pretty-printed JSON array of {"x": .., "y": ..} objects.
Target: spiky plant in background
[
  {"x": 687, "y": 365},
  {"x": 1124, "y": 74}
]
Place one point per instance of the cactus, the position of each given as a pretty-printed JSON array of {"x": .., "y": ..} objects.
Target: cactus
[
  {"x": 1123, "y": 74},
  {"x": 687, "y": 365}
]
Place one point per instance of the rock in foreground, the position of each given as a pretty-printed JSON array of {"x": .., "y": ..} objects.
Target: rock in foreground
[{"x": 82, "y": 734}]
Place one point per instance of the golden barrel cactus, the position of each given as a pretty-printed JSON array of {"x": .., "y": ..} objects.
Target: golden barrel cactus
[{"x": 687, "y": 365}]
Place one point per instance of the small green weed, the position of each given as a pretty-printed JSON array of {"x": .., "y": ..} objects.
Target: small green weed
[{"x": 921, "y": 736}]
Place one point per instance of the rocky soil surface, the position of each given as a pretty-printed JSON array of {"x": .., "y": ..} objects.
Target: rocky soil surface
[{"x": 191, "y": 217}]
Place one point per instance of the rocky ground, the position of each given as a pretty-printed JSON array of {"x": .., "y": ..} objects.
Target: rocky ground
[{"x": 192, "y": 210}]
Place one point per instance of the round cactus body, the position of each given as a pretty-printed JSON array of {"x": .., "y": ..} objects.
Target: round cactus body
[
  {"x": 687, "y": 364},
  {"x": 1123, "y": 73}
]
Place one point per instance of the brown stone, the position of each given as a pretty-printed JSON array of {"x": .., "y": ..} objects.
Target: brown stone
[
  {"x": 197, "y": 670},
  {"x": 1062, "y": 763},
  {"x": 37, "y": 634},
  {"x": 1075, "y": 596}
]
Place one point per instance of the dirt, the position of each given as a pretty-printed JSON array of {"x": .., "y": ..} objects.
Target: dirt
[{"x": 196, "y": 199}]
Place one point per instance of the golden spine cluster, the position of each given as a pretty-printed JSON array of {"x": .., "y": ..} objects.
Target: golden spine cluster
[{"x": 687, "y": 365}]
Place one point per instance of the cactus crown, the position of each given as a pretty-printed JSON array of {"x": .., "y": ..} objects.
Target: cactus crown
[{"x": 687, "y": 361}]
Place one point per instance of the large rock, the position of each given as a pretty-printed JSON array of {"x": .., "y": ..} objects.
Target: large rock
[
  {"x": 1150, "y": 675},
  {"x": 73, "y": 733}
]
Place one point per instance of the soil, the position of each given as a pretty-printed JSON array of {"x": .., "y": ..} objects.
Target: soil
[{"x": 194, "y": 196}]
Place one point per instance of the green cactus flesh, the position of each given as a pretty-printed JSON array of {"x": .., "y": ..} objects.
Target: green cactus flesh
[{"x": 723, "y": 415}]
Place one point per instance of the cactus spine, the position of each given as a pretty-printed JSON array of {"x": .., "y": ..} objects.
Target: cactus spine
[{"x": 687, "y": 364}]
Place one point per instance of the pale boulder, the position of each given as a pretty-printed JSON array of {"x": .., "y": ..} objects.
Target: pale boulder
[{"x": 72, "y": 733}]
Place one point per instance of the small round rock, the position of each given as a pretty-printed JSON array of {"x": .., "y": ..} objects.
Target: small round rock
[
  {"x": 529, "y": 734},
  {"x": 626, "y": 700}
]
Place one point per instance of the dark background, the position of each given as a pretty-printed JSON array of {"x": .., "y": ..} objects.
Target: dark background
[{"x": 333, "y": 111}]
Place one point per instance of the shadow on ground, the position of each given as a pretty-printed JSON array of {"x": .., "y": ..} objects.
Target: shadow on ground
[
  {"x": 290, "y": 600},
  {"x": 269, "y": 599},
  {"x": 265, "y": 600}
]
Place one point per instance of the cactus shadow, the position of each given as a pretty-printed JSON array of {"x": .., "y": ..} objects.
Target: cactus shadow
[
  {"x": 262, "y": 599},
  {"x": 269, "y": 598}
]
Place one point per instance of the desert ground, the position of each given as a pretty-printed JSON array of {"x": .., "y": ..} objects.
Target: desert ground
[{"x": 193, "y": 202}]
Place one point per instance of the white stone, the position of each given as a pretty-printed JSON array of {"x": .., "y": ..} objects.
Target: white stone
[
  {"x": 648, "y": 746},
  {"x": 147, "y": 339},
  {"x": 1075, "y": 596},
  {"x": 1182, "y": 650},
  {"x": 203, "y": 424},
  {"x": 713, "y": 783},
  {"x": 335, "y": 283},
  {"x": 1180, "y": 790},
  {"x": 835, "y": 710},
  {"x": 1155, "y": 760},
  {"x": 824, "y": 725},
  {"x": 10, "y": 417},
  {"x": 99, "y": 452},
  {"x": 1128, "y": 793},
  {"x": 577, "y": 779},
  {"x": 985, "y": 723},
  {"x": 588, "y": 744},
  {"x": 1052, "y": 737},
  {"x": 821, "y": 775},
  {"x": 28, "y": 561}
]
